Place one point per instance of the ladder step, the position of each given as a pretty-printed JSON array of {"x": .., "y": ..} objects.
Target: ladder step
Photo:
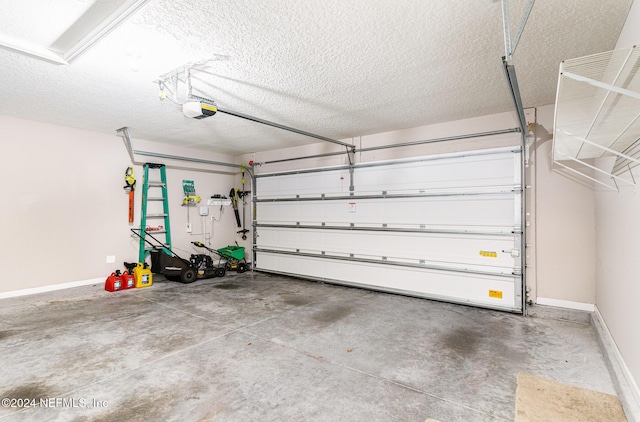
[
  {"x": 150, "y": 249},
  {"x": 153, "y": 184},
  {"x": 157, "y": 215},
  {"x": 155, "y": 199}
]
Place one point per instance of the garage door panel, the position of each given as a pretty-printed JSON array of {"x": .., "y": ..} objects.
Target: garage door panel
[
  {"x": 304, "y": 184},
  {"x": 463, "y": 173},
  {"x": 479, "y": 250},
  {"x": 493, "y": 292},
  {"x": 478, "y": 210}
]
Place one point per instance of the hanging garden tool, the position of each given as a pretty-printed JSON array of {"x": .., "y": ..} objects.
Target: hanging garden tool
[
  {"x": 242, "y": 194},
  {"x": 233, "y": 195},
  {"x": 129, "y": 188}
]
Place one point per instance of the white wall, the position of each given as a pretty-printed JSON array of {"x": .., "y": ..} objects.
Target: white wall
[
  {"x": 64, "y": 209},
  {"x": 630, "y": 34},
  {"x": 565, "y": 226},
  {"x": 618, "y": 268},
  {"x": 475, "y": 125},
  {"x": 618, "y": 247}
]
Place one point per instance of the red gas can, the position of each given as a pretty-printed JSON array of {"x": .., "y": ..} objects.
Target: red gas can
[
  {"x": 128, "y": 280},
  {"x": 114, "y": 282}
]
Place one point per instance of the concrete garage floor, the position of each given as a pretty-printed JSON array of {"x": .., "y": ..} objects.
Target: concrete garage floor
[{"x": 261, "y": 347}]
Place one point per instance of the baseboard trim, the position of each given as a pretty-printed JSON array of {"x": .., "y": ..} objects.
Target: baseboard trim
[
  {"x": 626, "y": 386},
  {"x": 579, "y": 306},
  {"x": 50, "y": 288}
]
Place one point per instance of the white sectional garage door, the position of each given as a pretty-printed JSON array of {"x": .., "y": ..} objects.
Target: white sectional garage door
[{"x": 446, "y": 227}]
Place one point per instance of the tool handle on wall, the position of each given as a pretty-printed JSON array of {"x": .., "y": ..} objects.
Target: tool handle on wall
[
  {"x": 129, "y": 188},
  {"x": 131, "y": 196},
  {"x": 241, "y": 195},
  {"x": 233, "y": 194}
]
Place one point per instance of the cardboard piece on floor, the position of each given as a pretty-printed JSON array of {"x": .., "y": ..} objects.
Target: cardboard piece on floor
[{"x": 540, "y": 399}]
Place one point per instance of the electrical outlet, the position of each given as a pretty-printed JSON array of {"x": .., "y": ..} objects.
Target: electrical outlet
[
  {"x": 111, "y": 259},
  {"x": 188, "y": 227}
]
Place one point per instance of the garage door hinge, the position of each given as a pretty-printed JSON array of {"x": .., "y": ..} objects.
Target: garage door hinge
[{"x": 513, "y": 252}]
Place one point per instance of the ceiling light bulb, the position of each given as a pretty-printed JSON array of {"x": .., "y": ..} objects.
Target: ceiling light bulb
[
  {"x": 192, "y": 109},
  {"x": 198, "y": 110}
]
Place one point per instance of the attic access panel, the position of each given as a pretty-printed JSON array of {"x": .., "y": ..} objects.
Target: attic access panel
[
  {"x": 445, "y": 227},
  {"x": 65, "y": 29}
]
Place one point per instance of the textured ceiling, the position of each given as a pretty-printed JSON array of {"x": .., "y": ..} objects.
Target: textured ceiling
[{"x": 339, "y": 69}]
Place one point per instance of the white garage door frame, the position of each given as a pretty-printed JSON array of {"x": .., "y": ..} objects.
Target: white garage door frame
[{"x": 446, "y": 227}]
